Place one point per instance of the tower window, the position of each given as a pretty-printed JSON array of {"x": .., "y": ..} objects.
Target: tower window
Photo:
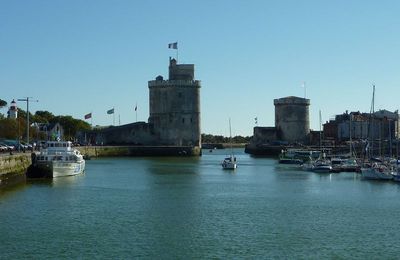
[
  {"x": 180, "y": 94},
  {"x": 183, "y": 120}
]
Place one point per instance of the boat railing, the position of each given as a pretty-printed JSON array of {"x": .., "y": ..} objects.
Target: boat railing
[{"x": 59, "y": 152}]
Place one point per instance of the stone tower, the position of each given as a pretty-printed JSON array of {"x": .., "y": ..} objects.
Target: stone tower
[
  {"x": 292, "y": 119},
  {"x": 13, "y": 110},
  {"x": 175, "y": 106}
]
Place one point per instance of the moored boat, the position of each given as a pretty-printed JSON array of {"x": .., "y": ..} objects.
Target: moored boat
[
  {"x": 350, "y": 165},
  {"x": 322, "y": 166},
  {"x": 377, "y": 171},
  {"x": 288, "y": 160},
  {"x": 56, "y": 159}
]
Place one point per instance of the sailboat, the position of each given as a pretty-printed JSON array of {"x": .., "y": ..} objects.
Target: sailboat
[
  {"x": 377, "y": 169},
  {"x": 229, "y": 163}
]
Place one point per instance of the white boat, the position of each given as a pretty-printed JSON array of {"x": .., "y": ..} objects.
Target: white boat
[
  {"x": 396, "y": 176},
  {"x": 396, "y": 170},
  {"x": 57, "y": 159},
  {"x": 308, "y": 166},
  {"x": 350, "y": 165},
  {"x": 293, "y": 157},
  {"x": 229, "y": 163},
  {"x": 322, "y": 166},
  {"x": 377, "y": 171},
  {"x": 345, "y": 165}
]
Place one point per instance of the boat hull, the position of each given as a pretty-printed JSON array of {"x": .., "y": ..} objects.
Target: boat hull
[
  {"x": 56, "y": 169},
  {"x": 291, "y": 161},
  {"x": 375, "y": 174},
  {"x": 396, "y": 176},
  {"x": 61, "y": 169},
  {"x": 322, "y": 169},
  {"x": 229, "y": 166}
]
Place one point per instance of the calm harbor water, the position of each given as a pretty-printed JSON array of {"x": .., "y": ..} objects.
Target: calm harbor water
[{"x": 184, "y": 208}]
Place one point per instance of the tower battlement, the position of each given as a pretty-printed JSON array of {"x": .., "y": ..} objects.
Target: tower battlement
[{"x": 175, "y": 83}]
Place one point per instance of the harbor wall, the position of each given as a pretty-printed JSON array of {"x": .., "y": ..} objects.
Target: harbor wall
[
  {"x": 105, "y": 151},
  {"x": 13, "y": 168}
]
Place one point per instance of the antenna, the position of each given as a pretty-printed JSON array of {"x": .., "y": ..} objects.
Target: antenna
[
  {"x": 305, "y": 90},
  {"x": 27, "y": 115}
]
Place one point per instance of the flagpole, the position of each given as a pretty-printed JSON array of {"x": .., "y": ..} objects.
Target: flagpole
[
  {"x": 113, "y": 116},
  {"x": 176, "y": 51}
]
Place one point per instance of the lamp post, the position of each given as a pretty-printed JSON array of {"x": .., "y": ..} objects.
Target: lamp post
[{"x": 27, "y": 115}]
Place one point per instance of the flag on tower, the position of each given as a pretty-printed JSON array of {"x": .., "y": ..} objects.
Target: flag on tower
[
  {"x": 87, "y": 116},
  {"x": 111, "y": 111},
  {"x": 173, "y": 45},
  {"x": 136, "y": 108}
]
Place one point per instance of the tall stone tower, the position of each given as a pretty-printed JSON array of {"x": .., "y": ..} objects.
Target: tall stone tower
[
  {"x": 175, "y": 106},
  {"x": 13, "y": 110},
  {"x": 292, "y": 120}
]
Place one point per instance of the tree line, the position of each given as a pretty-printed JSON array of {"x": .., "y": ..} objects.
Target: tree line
[
  {"x": 218, "y": 139},
  {"x": 16, "y": 128}
]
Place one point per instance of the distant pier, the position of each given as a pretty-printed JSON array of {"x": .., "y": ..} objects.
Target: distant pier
[{"x": 104, "y": 151}]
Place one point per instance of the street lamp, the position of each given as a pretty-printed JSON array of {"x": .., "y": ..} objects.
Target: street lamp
[{"x": 27, "y": 115}]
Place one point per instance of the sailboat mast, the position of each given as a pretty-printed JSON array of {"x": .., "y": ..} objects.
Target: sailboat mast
[
  {"x": 230, "y": 135},
  {"x": 372, "y": 118},
  {"x": 320, "y": 131},
  {"x": 350, "y": 139}
]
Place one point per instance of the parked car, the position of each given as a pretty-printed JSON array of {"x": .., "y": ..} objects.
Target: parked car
[
  {"x": 3, "y": 148},
  {"x": 8, "y": 147}
]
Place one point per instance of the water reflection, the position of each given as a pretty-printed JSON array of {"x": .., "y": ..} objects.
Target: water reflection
[
  {"x": 55, "y": 182},
  {"x": 173, "y": 165},
  {"x": 7, "y": 190}
]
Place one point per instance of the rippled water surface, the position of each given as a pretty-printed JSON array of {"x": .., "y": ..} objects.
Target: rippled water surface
[{"x": 182, "y": 208}]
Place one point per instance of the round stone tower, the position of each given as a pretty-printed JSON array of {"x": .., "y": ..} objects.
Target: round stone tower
[
  {"x": 13, "y": 110},
  {"x": 292, "y": 120},
  {"x": 175, "y": 106}
]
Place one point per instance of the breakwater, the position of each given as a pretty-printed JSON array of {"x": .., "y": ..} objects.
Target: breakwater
[
  {"x": 13, "y": 168},
  {"x": 104, "y": 151}
]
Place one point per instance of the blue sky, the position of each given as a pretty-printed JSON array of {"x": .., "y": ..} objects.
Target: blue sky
[{"x": 85, "y": 56}]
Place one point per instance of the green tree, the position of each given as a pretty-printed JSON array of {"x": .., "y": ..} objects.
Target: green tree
[
  {"x": 70, "y": 125},
  {"x": 12, "y": 129},
  {"x": 43, "y": 117},
  {"x": 214, "y": 139},
  {"x": 2, "y": 103},
  {"x": 8, "y": 128}
]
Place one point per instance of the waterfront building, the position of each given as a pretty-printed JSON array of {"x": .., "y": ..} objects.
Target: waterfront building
[
  {"x": 174, "y": 114},
  {"x": 292, "y": 126},
  {"x": 292, "y": 120},
  {"x": 381, "y": 125},
  {"x": 175, "y": 106},
  {"x": 50, "y": 131},
  {"x": 13, "y": 110}
]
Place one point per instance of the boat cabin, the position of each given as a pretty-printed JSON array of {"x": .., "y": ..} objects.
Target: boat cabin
[{"x": 52, "y": 145}]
